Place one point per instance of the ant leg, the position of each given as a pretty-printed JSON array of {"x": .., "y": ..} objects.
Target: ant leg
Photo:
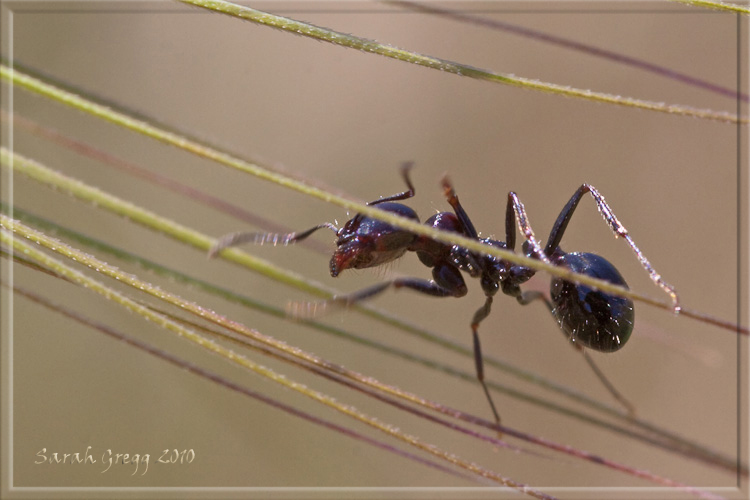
[
  {"x": 463, "y": 217},
  {"x": 234, "y": 239},
  {"x": 516, "y": 208},
  {"x": 530, "y": 296},
  {"x": 405, "y": 168},
  {"x": 308, "y": 310},
  {"x": 617, "y": 228},
  {"x": 604, "y": 380},
  {"x": 482, "y": 313}
]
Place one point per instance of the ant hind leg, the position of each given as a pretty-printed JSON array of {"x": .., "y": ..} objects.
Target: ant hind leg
[
  {"x": 604, "y": 380},
  {"x": 530, "y": 296},
  {"x": 617, "y": 228}
]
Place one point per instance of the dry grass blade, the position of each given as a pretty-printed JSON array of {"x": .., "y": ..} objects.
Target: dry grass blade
[
  {"x": 288, "y": 351},
  {"x": 109, "y": 293},
  {"x": 30, "y": 83},
  {"x": 651, "y": 434},
  {"x": 226, "y": 383}
]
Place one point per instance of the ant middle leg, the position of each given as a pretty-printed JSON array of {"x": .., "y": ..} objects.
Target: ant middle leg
[
  {"x": 480, "y": 315},
  {"x": 617, "y": 228},
  {"x": 514, "y": 210},
  {"x": 448, "y": 282}
]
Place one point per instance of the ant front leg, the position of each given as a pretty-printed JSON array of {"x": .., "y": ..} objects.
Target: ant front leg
[
  {"x": 514, "y": 210},
  {"x": 463, "y": 218},
  {"x": 448, "y": 282},
  {"x": 617, "y": 228}
]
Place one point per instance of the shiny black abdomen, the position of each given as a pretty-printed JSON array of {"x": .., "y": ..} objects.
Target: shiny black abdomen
[{"x": 594, "y": 319}]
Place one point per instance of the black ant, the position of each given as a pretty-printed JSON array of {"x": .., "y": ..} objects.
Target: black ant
[{"x": 588, "y": 317}]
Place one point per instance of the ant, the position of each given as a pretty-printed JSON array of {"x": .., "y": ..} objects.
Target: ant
[{"x": 589, "y": 318}]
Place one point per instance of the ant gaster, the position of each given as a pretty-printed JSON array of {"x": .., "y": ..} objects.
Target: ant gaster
[{"x": 589, "y": 318}]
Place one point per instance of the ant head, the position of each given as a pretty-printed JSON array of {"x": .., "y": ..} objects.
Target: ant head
[
  {"x": 354, "y": 253},
  {"x": 364, "y": 242}
]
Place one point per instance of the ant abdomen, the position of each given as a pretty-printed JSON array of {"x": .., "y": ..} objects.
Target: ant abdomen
[{"x": 594, "y": 319}]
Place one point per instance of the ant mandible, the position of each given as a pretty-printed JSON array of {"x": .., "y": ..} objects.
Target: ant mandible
[{"x": 588, "y": 317}]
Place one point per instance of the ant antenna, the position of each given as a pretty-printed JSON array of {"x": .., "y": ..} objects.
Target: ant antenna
[
  {"x": 234, "y": 239},
  {"x": 405, "y": 169}
]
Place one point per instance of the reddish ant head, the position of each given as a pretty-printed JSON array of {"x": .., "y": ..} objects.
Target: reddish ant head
[{"x": 364, "y": 242}]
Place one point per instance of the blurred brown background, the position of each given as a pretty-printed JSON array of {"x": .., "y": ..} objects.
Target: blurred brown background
[{"x": 347, "y": 120}]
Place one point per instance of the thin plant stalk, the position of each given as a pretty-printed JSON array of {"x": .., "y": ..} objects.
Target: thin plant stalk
[
  {"x": 38, "y": 86},
  {"x": 19, "y": 229},
  {"x": 559, "y": 41},
  {"x": 656, "y": 436},
  {"x": 373, "y": 47},
  {"x": 228, "y": 384},
  {"x": 66, "y": 271},
  {"x": 205, "y": 243},
  {"x": 46, "y": 89},
  {"x": 709, "y": 4},
  {"x": 175, "y": 186},
  {"x": 150, "y": 219}
]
